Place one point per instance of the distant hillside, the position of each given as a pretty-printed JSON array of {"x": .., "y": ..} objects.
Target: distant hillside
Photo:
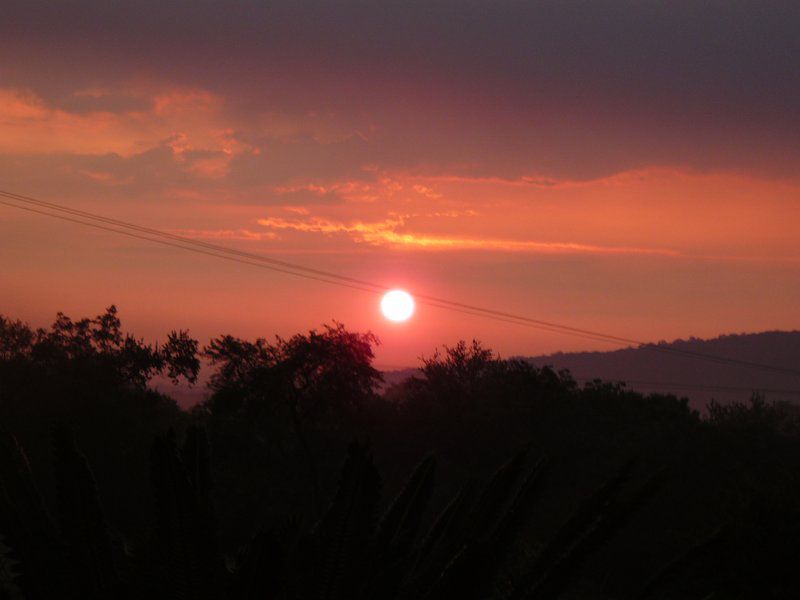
[{"x": 648, "y": 370}]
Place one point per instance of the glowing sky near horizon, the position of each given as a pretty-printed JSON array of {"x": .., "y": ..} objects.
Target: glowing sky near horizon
[{"x": 628, "y": 168}]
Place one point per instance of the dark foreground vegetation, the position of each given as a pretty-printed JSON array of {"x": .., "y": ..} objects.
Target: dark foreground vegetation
[{"x": 480, "y": 478}]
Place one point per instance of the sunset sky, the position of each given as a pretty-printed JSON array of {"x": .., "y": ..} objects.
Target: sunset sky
[{"x": 627, "y": 167}]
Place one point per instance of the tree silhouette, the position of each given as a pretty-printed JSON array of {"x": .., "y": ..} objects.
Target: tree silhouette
[
  {"x": 306, "y": 380},
  {"x": 602, "y": 493},
  {"x": 100, "y": 345}
]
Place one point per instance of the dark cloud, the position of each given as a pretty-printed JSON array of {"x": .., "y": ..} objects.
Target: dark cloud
[
  {"x": 559, "y": 88},
  {"x": 300, "y": 157},
  {"x": 104, "y": 102},
  {"x": 276, "y": 175},
  {"x": 145, "y": 176}
]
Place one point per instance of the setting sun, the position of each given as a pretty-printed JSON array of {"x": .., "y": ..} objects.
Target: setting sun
[{"x": 397, "y": 305}]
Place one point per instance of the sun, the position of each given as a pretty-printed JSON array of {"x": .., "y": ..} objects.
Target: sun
[{"x": 397, "y": 305}]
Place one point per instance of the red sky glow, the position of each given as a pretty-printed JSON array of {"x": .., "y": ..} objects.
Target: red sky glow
[{"x": 596, "y": 167}]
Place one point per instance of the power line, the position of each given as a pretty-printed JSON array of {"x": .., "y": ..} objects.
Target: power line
[
  {"x": 186, "y": 240},
  {"x": 177, "y": 245},
  {"x": 258, "y": 260},
  {"x": 336, "y": 279},
  {"x": 374, "y": 289}
]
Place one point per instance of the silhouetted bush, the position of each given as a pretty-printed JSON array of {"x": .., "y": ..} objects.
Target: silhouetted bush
[{"x": 608, "y": 493}]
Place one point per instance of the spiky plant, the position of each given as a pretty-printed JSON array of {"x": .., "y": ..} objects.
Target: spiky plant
[
  {"x": 393, "y": 550},
  {"x": 266, "y": 567},
  {"x": 9, "y": 590},
  {"x": 28, "y": 529},
  {"x": 83, "y": 523},
  {"x": 343, "y": 537},
  {"x": 180, "y": 552},
  {"x": 196, "y": 458}
]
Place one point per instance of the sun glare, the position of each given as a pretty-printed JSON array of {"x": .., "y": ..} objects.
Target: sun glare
[{"x": 397, "y": 305}]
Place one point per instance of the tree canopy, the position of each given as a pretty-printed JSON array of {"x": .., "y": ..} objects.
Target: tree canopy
[
  {"x": 315, "y": 373},
  {"x": 98, "y": 345}
]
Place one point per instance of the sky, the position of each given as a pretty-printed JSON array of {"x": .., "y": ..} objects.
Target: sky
[{"x": 626, "y": 167}]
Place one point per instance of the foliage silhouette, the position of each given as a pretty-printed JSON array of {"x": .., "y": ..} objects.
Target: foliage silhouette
[
  {"x": 83, "y": 524},
  {"x": 307, "y": 379},
  {"x": 708, "y": 506},
  {"x": 98, "y": 344},
  {"x": 26, "y": 525},
  {"x": 9, "y": 590}
]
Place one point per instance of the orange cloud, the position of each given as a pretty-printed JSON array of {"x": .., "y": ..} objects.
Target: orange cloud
[
  {"x": 427, "y": 192},
  {"x": 386, "y": 233},
  {"x": 298, "y": 210},
  {"x": 106, "y": 178},
  {"x": 29, "y": 126},
  {"x": 352, "y": 190},
  {"x": 225, "y": 234},
  {"x": 182, "y": 119}
]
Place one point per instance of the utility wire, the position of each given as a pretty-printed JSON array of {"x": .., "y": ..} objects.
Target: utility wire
[
  {"x": 375, "y": 290},
  {"x": 282, "y": 267},
  {"x": 258, "y": 260}
]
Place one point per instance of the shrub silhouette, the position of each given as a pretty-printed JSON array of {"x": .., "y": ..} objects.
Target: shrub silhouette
[
  {"x": 305, "y": 381},
  {"x": 604, "y": 492},
  {"x": 83, "y": 525},
  {"x": 348, "y": 554}
]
